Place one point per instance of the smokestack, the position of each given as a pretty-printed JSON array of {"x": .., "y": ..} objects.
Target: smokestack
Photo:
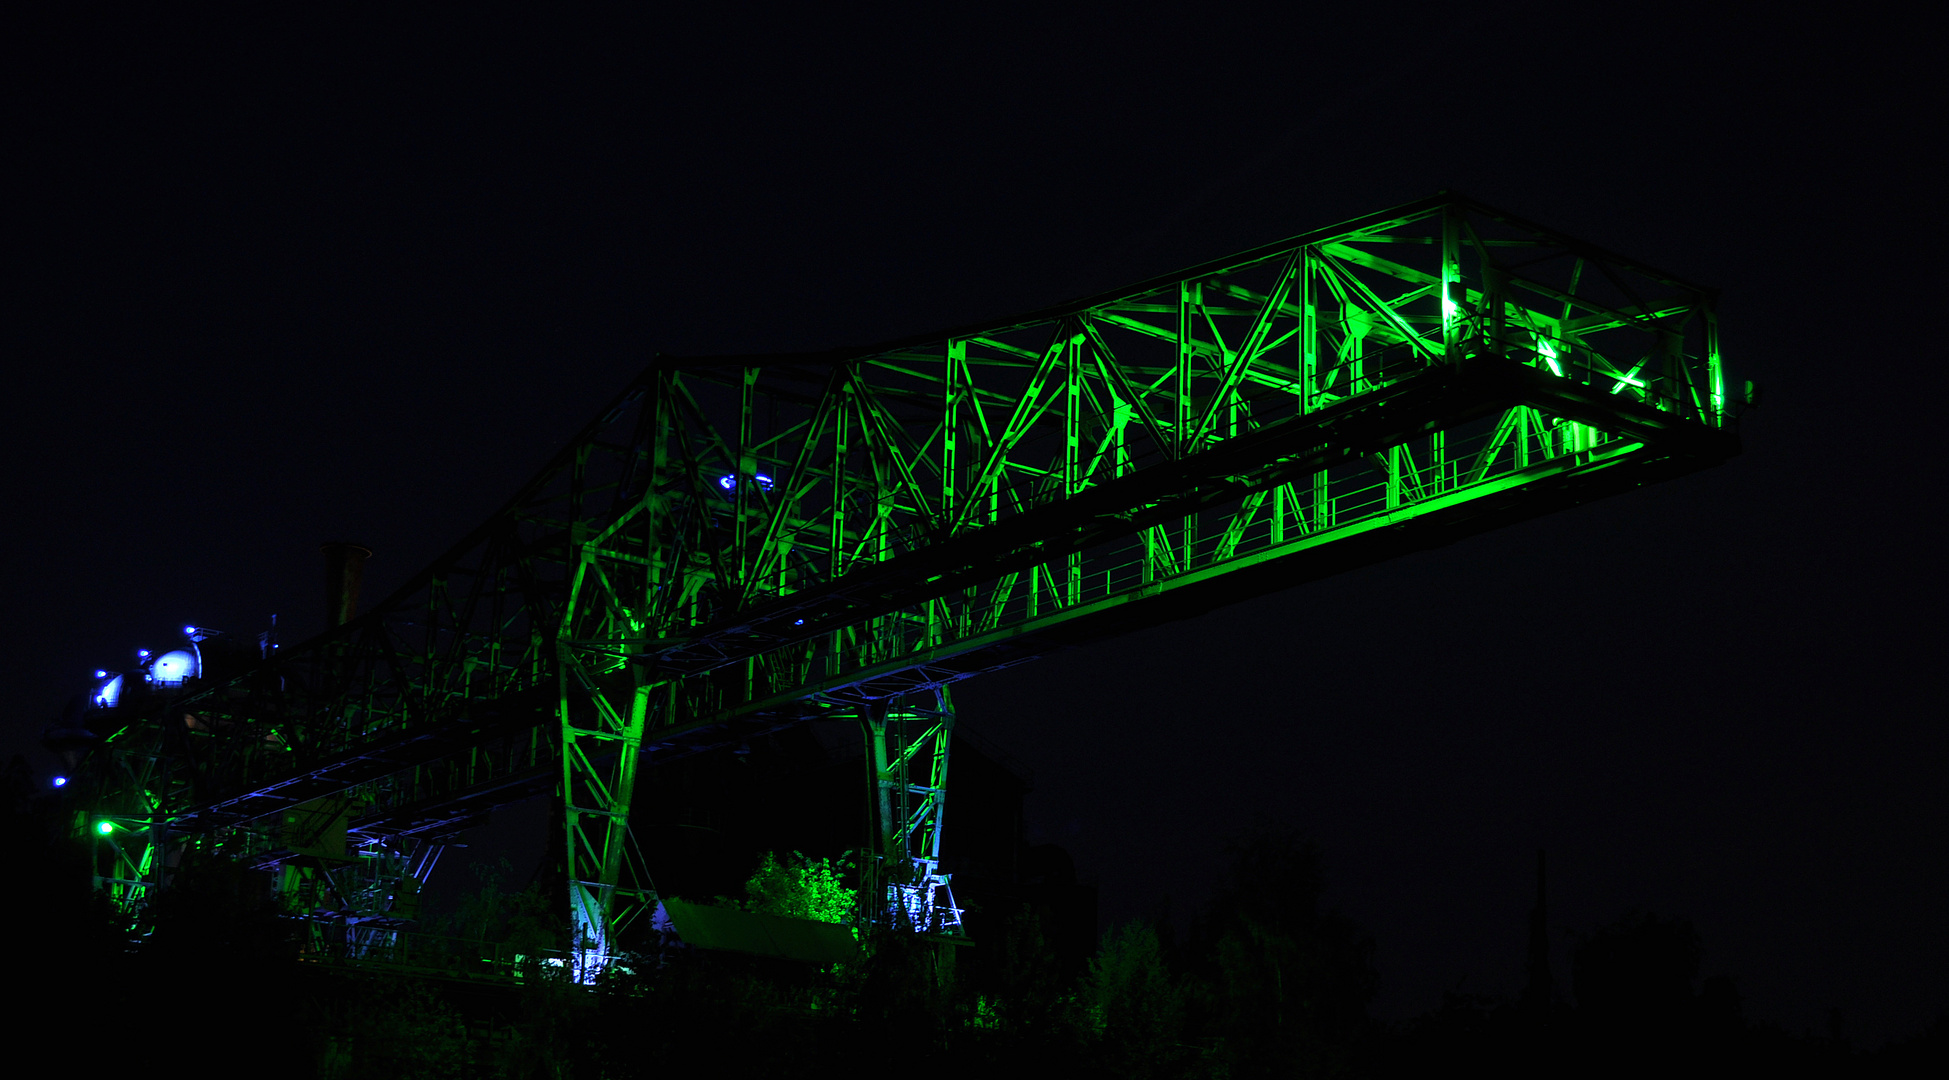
[{"x": 344, "y": 567}]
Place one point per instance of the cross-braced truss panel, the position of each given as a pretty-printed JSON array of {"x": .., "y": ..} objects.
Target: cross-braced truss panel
[{"x": 743, "y": 542}]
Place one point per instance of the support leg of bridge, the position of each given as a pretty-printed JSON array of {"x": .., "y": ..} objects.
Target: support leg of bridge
[
  {"x": 602, "y": 739},
  {"x": 907, "y": 752}
]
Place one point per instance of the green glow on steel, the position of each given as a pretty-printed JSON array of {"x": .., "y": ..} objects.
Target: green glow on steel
[
  {"x": 1138, "y": 380},
  {"x": 1716, "y": 377},
  {"x": 1567, "y": 464},
  {"x": 1548, "y": 352}
]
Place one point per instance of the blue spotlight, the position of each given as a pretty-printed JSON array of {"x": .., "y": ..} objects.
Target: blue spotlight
[
  {"x": 108, "y": 694},
  {"x": 729, "y": 481},
  {"x": 171, "y": 668}
]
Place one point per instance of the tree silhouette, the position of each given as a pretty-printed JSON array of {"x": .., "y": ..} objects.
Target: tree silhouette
[
  {"x": 1286, "y": 981},
  {"x": 1137, "y": 1005}
]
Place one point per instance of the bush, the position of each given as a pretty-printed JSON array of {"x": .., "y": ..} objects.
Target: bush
[{"x": 802, "y": 888}]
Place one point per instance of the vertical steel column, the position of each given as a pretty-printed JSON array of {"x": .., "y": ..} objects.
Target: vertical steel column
[
  {"x": 1355, "y": 325},
  {"x": 877, "y": 871},
  {"x": 1715, "y": 374},
  {"x": 903, "y": 881},
  {"x": 836, "y": 538},
  {"x": 1072, "y": 468},
  {"x": 601, "y": 729},
  {"x": 1453, "y": 295},
  {"x": 600, "y": 748},
  {"x": 956, "y": 384},
  {"x": 744, "y": 482},
  {"x": 951, "y": 383},
  {"x": 1190, "y": 301},
  {"x": 936, "y": 822}
]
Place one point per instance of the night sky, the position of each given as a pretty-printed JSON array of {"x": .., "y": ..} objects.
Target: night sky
[{"x": 277, "y": 284}]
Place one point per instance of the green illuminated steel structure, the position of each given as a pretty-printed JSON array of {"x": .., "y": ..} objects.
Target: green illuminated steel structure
[{"x": 744, "y": 542}]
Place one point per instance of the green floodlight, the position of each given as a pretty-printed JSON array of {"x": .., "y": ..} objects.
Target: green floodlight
[{"x": 104, "y": 827}]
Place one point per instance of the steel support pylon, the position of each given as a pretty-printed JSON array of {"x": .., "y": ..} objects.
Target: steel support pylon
[
  {"x": 907, "y": 753},
  {"x": 604, "y": 707}
]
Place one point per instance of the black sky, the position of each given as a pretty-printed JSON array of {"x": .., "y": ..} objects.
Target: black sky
[{"x": 279, "y": 283}]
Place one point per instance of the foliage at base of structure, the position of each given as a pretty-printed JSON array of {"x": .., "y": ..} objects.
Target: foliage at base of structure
[
  {"x": 524, "y": 920},
  {"x": 1265, "y": 981},
  {"x": 798, "y": 887}
]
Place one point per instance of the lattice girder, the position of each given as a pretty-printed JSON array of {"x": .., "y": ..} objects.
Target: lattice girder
[{"x": 742, "y": 542}]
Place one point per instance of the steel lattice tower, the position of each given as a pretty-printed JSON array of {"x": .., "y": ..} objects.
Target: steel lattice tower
[{"x": 744, "y": 542}]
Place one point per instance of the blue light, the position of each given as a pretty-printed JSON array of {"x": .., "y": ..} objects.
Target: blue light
[
  {"x": 171, "y": 668},
  {"x": 142, "y": 654},
  {"x": 798, "y": 622},
  {"x": 60, "y": 781},
  {"x": 109, "y": 693},
  {"x": 729, "y": 481},
  {"x": 100, "y": 674},
  {"x": 189, "y": 629}
]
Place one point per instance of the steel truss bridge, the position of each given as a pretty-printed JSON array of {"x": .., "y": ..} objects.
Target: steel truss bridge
[{"x": 740, "y": 543}]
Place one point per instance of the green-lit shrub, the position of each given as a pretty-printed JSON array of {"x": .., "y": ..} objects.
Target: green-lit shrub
[{"x": 802, "y": 888}]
